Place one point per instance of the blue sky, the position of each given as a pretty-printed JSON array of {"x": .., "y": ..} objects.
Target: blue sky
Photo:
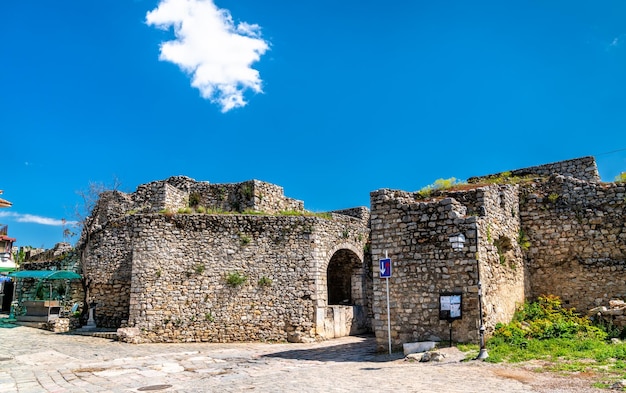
[{"x": 330, "y": 100}]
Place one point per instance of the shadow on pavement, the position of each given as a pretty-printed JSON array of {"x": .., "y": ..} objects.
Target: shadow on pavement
[{"x": 363, "y": 351}]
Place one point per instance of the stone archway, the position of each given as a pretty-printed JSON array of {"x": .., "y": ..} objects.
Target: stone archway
[{"x": 344, "y": 312}]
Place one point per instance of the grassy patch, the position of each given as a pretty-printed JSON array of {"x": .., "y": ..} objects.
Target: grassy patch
[
  {"x": 327, "y": 216},
  {"x": 564, "y": 341},
  {"x": 439, "y": 185}
]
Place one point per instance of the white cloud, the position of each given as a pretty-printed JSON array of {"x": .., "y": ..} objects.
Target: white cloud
[
  {"x": 617, "y": 42},
  {"x": 216, "y": 54},
  {"x": 37, "y": 219}
]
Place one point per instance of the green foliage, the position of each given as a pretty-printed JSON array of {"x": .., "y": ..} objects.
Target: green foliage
[
  {"x": 167, "y": 212},
  {"x": 265, "y": 281},
  {"x": 185, "y": 210},
  {"x": 247, "y": 191},
  {"x": 506, "y": 178},
  {"x": 439, "y": 184},
  {"x": 444, "y": 184},
  {"x": 553, "y": 197},
  {"x": 244, "y": 239},
  {"x": 20, "y": 255},
  {"x": 621, "y": 178},
  {"x": 42, "y": 292},
  {"x": 545, "y": 319},
  {"x": 194, "y": 199},
  {"x": 327, "y": 216},
  {"x": 200, "y": 209},
  {"x": 522, "y": 240},
  {"x": 254, "y": 212},
  {"x": 235, "y": 279},
  {"x": 158, "y": 273},
  {"x": 503, "y": 245},
  {"x": 221, "y": 193},
  {"x": 209, "y": 317},
  {"x": 345, "y": 233},
  {"x": 200, "y": 268}
]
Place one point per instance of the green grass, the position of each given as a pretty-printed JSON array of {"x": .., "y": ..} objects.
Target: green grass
[
  {"x": 439, "y": 184},
  {"x": 562, "y": 340},
  {"x": 327, "y": 216}
]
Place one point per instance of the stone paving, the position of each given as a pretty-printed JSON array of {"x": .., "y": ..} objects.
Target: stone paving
[{"x": 33, "y": 360}]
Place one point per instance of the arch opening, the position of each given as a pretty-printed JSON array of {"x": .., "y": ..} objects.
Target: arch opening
[{"x": 344, "y": 278}]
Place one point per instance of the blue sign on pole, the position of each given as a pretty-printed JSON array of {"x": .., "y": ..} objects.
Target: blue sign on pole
[{"x": 385, "y": 268}]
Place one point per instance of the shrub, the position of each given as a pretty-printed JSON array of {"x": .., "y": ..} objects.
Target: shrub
[
  {"x": 439, "y": 184},
  {"x": 244, "y": 240},
  {"x": 235, "y": 279},
  {"x": 621, "y": 178},
  {"x": 265, "y": 281},
  {"x": 194, "y": 199},
  {"x": 545, "y": 319}
]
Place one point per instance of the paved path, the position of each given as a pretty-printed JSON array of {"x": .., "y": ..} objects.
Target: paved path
[{"x": 33, "y": 360}]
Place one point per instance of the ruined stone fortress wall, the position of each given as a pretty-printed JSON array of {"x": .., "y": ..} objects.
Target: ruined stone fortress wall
[
  {"x": 166, "y": 274},
  {"x": 162, "y": 269},
  {"x": 181, "y": 265},
  {"x": 178, "y": 191},
  {"x": 583, "y": 168},
  {"x": 558, "y": 231},
  {"x": 577, "y": 236},
  {"x": 415, "y": 233}
]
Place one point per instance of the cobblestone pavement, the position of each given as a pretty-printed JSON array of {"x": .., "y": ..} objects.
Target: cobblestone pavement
[{"x": 33, "y": 360}]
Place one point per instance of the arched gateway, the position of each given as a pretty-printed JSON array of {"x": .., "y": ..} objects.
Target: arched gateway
[{"x": 343, "y": 288}]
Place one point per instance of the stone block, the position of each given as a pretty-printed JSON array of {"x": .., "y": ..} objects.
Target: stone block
[{"x": 417, "y": 347}]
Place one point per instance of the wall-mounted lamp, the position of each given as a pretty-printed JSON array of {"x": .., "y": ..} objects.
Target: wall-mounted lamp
[{"x": 457, "y": 242}]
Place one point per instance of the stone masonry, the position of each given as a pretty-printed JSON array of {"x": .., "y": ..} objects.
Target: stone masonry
[
  {"x": 180, "y": 260},
  {"x": 550, "y": 229},
  {"x": 165, "y": 261}
]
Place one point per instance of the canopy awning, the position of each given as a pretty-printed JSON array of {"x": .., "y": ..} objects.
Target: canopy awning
[
  {"x": 46, "y": 274},
  {"x": 8, "y": 268}
]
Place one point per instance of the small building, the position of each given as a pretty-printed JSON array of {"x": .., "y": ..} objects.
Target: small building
[{"x": 7, "y": 263}]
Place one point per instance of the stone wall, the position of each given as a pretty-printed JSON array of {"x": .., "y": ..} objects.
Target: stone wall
[
  {"x": 108, "y": 265},
  {"x": 583, "y": 168},
  {"x": 182, "y": 263},
  {"x": 502, "y": 268},
  {"x": 158, "y": 266},
  {"x": 559, "y": 230},
  {"x": 415, "y": 233},
  {"x": 179, "y": 192},
  {"x": 577, "y": 238}
]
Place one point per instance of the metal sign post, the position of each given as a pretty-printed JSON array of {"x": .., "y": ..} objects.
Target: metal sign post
[{"x": 385, "y": 272}]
